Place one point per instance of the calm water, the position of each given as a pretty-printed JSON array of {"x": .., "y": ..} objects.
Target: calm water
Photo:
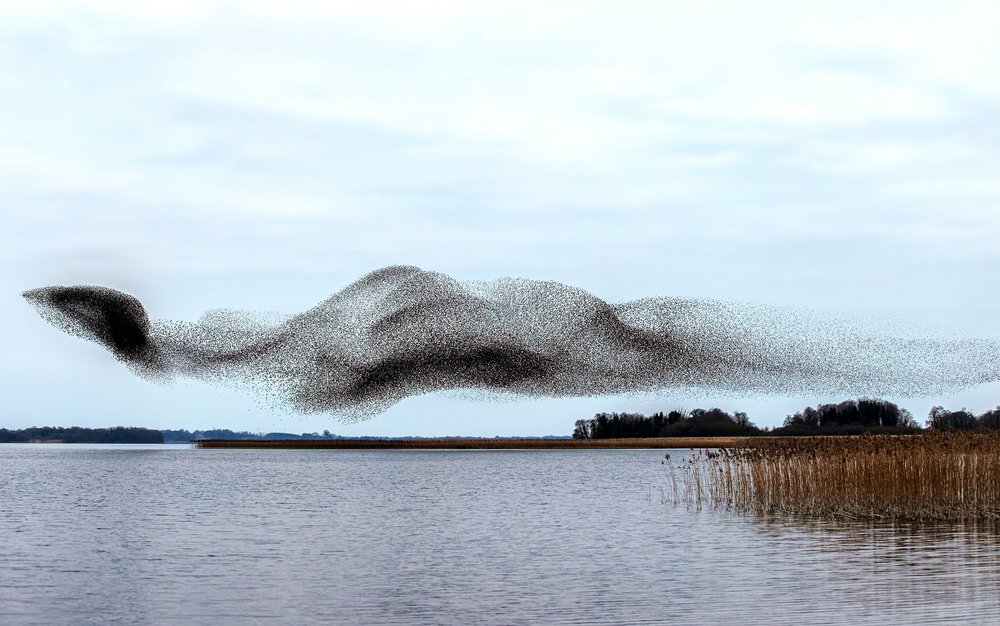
[{"x": 164, "y": 534}]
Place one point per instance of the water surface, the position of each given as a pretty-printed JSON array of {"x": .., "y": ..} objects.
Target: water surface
[{"x": 170, "y": 534}]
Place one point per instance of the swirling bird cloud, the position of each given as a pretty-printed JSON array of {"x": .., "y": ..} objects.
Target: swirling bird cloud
[{"x": 402, "y": 331}]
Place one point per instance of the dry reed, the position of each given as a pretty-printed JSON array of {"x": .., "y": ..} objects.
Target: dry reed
[{"x": 932, "y": 476}]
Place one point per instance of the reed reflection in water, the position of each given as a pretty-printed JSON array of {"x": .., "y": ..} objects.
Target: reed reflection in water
[{"x": 898, "y": 573}]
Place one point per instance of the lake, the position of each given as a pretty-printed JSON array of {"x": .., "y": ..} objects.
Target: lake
[{"x": 170, "y": 534}]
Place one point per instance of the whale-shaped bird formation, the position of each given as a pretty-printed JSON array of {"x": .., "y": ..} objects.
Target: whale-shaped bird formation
[{"x": 402, "y": 331}]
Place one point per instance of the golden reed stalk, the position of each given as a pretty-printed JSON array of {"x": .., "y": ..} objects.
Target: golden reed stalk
[{"x": 933, "y": 476}]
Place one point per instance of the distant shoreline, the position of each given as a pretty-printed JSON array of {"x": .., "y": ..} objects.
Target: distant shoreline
[{"x": 473, "y": 443}]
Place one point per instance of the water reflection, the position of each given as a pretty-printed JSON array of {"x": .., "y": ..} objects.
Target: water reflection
[
  {"x": 921, "y": 572},
  {"x": 563, "y": 537}
]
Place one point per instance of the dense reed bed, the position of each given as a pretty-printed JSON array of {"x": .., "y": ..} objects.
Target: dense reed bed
[
  {"x": 932, "y": 476},
  {"x": 471, "y": 443}
]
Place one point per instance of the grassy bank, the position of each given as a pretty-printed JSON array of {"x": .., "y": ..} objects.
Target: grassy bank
[
  {"x": 464, "y": 443},
  {"x": 932, "y": 476}
]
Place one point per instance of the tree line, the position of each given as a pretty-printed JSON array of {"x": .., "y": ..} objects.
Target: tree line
[
  {"x": 133, "y": 434},
  {"x": 941, "y": 418},
  {"x": 849, "y": 417},
  {"x": 844, "y": 418},
  {"x": 186, "y": 436},
  {"x": 77, "y": 434},
  {"x": 677, "y": 423}
]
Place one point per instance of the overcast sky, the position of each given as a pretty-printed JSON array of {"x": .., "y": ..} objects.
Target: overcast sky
[{"x": 841, "y": 155}]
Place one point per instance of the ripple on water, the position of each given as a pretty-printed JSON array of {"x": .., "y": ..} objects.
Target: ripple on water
[{"x": 556, "y": 536}]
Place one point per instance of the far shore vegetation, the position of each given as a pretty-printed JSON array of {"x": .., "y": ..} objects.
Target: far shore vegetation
[
  {"x": 850, "y": 417},
  {"x": 76, "y": 434},
  {"x": 478, "y": 443}
]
